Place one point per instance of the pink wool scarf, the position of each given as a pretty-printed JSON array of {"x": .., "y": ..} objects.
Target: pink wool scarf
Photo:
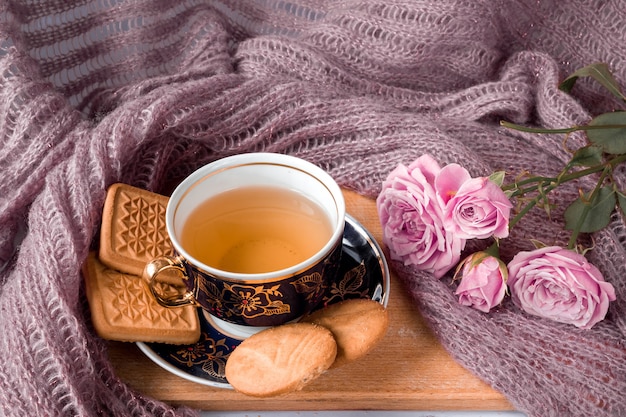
[{"x": 143, "y": 92}]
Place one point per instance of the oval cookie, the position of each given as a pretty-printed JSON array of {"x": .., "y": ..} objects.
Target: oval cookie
[
  {"x": 280, "y": 359},
  {"x": 356, "y": 324}
]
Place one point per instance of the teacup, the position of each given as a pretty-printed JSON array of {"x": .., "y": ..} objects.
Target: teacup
[{"x": 257, "y": 239}]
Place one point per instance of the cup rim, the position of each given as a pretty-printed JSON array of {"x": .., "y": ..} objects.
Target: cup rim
[{"x": 257, "y": 158}]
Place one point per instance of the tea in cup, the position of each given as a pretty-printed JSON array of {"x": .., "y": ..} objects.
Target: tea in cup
[{"x": 258, "y": 239}]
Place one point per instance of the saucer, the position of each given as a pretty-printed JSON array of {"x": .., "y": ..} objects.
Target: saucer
[{"x": 363, "y": 273}]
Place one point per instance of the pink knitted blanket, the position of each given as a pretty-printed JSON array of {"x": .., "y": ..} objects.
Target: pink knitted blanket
[{"x": 94, "y": 92}]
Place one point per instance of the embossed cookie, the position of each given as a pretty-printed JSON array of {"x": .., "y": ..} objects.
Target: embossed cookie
[
  {"x": 280, "y": 359},
  {"x": 123, "y": 309},
  {"x": 356, "y": 324},
  {"x": 133, "y": 228}
]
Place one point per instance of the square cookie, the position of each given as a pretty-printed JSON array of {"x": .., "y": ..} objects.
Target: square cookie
[{"x": 123, "y": 308}]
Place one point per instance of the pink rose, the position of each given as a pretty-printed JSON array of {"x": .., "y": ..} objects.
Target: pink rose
[
  {"x": 483, "y": 281},
  {"x": 559, "y": 284},
  {"x": 478, "y": 209},
  {"x": 449, "y": 180},
  {"x": 412, "y": 219}
]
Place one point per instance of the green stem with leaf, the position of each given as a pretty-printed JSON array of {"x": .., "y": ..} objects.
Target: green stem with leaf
[
  {"x": 606, "y": 134},
  {"x": 565, "y": 130},
  {"x": 544, "y": 185},
  {"x": 576, "y": 231}
]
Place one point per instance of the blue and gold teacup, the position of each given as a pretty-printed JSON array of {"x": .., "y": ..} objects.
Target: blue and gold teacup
[{"x": 258, "y": 239}]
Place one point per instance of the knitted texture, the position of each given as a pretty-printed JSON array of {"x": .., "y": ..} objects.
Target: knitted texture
[{"x": 143, "y": 92}]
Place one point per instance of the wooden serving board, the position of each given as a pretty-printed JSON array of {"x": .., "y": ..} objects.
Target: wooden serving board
[{"x": 408, "y": 370}]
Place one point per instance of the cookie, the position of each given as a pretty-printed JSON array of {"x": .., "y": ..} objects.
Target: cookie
[
  {"x": 133, "y": 228},
  {"x": 123, "y": 309},
  {"x": 356, "y": 324},
  {"x": 280, "y": 359}
]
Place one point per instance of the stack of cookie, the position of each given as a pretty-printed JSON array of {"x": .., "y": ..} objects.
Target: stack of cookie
[
  {"x": 122, "y": 306},
  {"x": 275, "y": 361}
]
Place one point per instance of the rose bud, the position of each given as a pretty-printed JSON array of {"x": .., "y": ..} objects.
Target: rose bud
[{"x": 483, "y": 281}]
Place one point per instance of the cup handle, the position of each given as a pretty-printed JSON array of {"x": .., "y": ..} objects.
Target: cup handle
[{"x": 160, "y": 265}]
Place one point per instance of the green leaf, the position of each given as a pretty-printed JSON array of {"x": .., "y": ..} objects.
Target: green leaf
[
  {"x": 498, "y": 178},
  {"x": 588, "y": 156},
  {"x": 599, "y": 72},
  {"x": 608, "y": 130},
  {"x": 598, "y": 215}
]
